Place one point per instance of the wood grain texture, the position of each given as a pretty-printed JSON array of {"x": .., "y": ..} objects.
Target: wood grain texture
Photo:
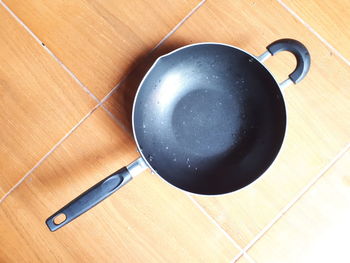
[
  {"x": 244, "y": 259},
  {"x": 316, "y": 228},
  {"x": 39, "y": 102},
  {"x": 318, "y": 107},
  {"x": 100, "y": 41},
  {"x": 146, "y": 221},
  {"x": 330, "y": 18}
]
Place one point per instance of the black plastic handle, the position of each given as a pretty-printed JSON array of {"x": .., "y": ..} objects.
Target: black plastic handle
[
  {"x": 299, "y": 51},
  {"x": 89, "y": 198}
]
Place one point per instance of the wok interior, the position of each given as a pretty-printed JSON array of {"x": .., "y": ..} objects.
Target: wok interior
[{"x": 209, "y": 118}]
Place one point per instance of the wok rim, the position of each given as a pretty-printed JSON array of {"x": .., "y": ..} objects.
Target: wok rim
[{"x": 273, "y": 160}]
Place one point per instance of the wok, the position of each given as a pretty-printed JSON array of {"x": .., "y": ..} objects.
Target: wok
[{"x": 208, "y": 118}]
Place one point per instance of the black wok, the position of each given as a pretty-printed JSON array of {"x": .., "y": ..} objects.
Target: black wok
[{"x": 208, "y": 118}]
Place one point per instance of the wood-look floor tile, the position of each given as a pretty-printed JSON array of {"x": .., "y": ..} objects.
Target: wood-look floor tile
[
  {"x": 100, "y": 41},
  {"x": 39, "y": 102},
  {"x": 316, "y": 228},
  {"x": 318, "y": 107},
  {"x": 329, "y": 18},
  {"x": 243, "y": 259},
  {"x": 146, "y": 221}
]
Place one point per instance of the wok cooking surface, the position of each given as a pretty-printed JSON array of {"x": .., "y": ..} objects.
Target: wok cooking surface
[{"x": 212, "y": 115}]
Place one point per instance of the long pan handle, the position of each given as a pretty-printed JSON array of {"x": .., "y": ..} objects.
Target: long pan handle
[{"x": 89, "y": 199}]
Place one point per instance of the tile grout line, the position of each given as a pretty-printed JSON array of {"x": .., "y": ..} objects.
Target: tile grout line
[
  {"x": 211, "y": 219},
  {"x": 297, "y": 198},
  {"x": 121, "y": 82},
  {"x": 80, "y": 83},
  {"x": 26, "y": 175},
  {"x": 76, "y": 126},
  {"x": 324, "y": 170},
  {"x": 178, "y": 25},
  {"x": 250, "y": 259},
  {"x": 243, "y": 254},
  {"x": 49, "y": 153},
  {"x": 154, "y": 49},
  {"x": 324, "y": 41},
  {"x": 37, "y": 39},
  {"x": 99, "y": 102},
  {"x": 118, "y": 122}
]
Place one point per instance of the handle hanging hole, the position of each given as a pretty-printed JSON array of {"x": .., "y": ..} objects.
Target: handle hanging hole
[{"x": 59, "y": 219}]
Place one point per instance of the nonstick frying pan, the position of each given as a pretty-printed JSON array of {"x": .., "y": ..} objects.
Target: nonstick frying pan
[{"x": 209, "y": 118}]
